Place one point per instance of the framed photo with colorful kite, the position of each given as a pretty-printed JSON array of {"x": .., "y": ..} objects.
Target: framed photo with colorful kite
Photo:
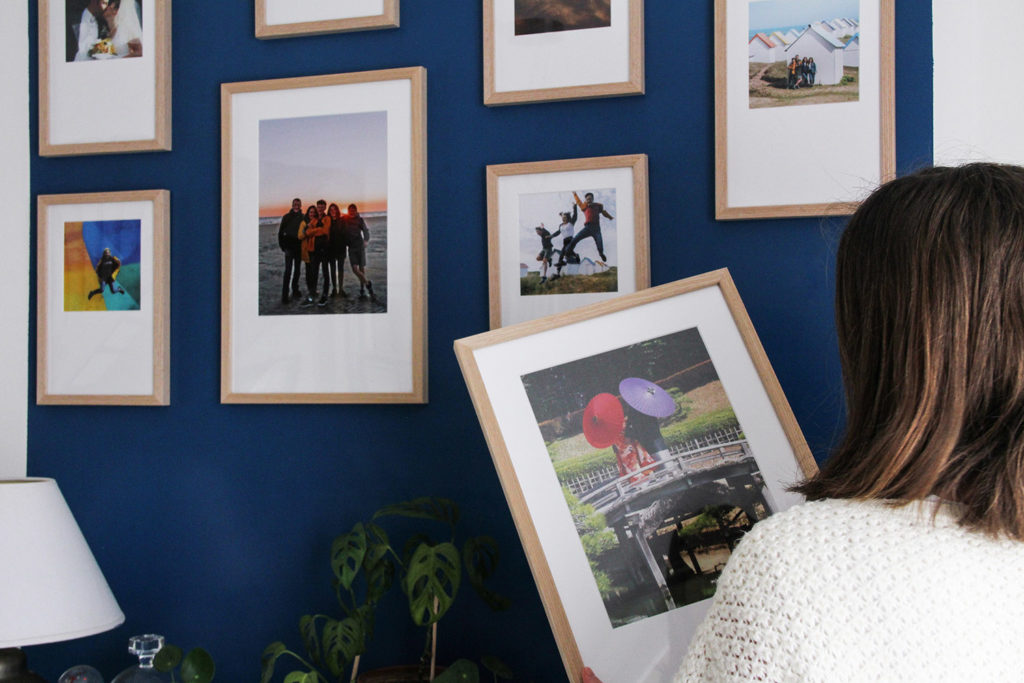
[
  {"x": 543, "y": 50},
  {"x": 324, "y": 239},
  {"x": 564, "y": 234},
  {"x": 104, "y": 76},
  {"x": 103, "y": 299},
  {"x": 636, "y": 440},
  {"x": 286, "y": 18},
  {"x": 804, "y": 105}
]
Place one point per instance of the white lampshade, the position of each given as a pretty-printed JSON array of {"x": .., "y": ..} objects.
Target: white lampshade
[{"x": 51, "y": 588}]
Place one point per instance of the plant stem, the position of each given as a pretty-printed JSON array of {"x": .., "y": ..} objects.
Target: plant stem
[
  {"x": 355, "y": 669},
  {"x": 433, "y": 642}
]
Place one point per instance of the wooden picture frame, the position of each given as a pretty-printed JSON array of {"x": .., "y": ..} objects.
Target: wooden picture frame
[
  {"x": 685, "y": 358},
  {"x": 72, "y": 120},
  {"x": 765, "y": 114},
  {"x": 524, "y": 196},
  {"x": 103, "y": 332},
  {"x": 538, "y": 58},
  {"x": 379, "y": 118},
  {"x": 288, "y": 18}
]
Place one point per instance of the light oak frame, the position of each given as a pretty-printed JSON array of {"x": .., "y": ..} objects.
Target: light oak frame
[
  {"x": 387, "y": 19},
  {"x": 161, "y": 284},
  {"x": 887, "y": 137},
  {"x": 417, "y": 76},
  {"x": 465, "y": 350},
  {"x": 641, "y": 240},
  {"x": 161, "y": 140},
  {"x": 633, "y": 85}
]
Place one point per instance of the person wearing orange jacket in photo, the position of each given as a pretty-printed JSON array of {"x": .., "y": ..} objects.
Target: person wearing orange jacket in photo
[{"x": 315, "y": 237}]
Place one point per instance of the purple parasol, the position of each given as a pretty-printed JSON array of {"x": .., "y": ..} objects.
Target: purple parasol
[{"x": 647, "y": 397}]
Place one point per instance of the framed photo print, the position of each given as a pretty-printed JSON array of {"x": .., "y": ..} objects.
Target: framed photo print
[
  {"x": 537, "y": 50},
  {"x": 284, "y": 18},
  {"x": 636, "y": 440},
  {"x": 804, "y": 121},
  {"x": 103, "y": 299},
  {"x": 564, "y": 234},
  {"x": 324, "y": 239},
  {"x": 104, "y": 76}
]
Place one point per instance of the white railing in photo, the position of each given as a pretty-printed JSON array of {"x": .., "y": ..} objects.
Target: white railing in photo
[{"x": 583, "y": 483}]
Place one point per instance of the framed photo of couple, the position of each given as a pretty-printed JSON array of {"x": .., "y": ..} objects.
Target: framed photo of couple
[
  {"x": 636, "y": 441},
  {"x": 103, "y": 299},
  {"x": 804, "y": 122},
  {"x": 564, "y": 234},
  {"x": 285, "y": 18},
  {"x": 541, "y": 50},
  {"x": 104, "y": 76},
  {"x": 324, "y": 239}
]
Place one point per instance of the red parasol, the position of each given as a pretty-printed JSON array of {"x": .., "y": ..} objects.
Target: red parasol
[{"x": 603, "y": 420}]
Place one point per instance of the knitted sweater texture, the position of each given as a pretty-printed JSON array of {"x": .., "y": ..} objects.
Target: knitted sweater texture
[{"x": 836, "y": 591}]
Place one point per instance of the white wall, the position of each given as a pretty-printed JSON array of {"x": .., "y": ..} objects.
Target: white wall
[
  {"x": 977, "y": 102},
  {"x": 14, "y": 235}
]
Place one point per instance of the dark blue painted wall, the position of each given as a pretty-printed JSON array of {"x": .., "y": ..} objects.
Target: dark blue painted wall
[{"x": 212, "y": 523}]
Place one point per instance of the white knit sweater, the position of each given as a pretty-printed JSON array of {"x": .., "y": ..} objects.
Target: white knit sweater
[{"x": 837, "y": 591}]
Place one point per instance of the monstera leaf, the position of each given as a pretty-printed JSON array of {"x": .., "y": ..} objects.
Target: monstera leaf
[
  {"x": 431, "y": 582},
  {"x": 461, "y": 671},
  {"x": 343, "y": 641},
  {"x": 437, "y": 509},
  {"x": 347, "y": 553},
  {"x": 377, "y": 564},
  {"x": 310, "y": 638},
  {"x": 480, "y": 557}
]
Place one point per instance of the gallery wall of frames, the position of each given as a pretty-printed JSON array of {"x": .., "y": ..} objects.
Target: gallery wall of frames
[{"x": 228, "y": 372}]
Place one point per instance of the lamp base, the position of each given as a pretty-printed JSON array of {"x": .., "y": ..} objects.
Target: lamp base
[{"x": 13, "y": 668}]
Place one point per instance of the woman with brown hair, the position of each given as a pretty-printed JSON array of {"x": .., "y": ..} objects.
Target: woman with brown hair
[{"x": 907, "y": 563}]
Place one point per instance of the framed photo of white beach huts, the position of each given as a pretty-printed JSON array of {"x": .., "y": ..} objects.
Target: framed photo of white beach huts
[
  {"x": 543, "y": 50},
  {"x": 564, "y": 234},
  {"x": 804, "y": 122},
  {"x": 324, "y": 239},
  {"x": 636, "y": 441},
  {"x": 285, "y": 18},
  {"x": 104, "y": 76},
  {"x": 104, "y": 299}
]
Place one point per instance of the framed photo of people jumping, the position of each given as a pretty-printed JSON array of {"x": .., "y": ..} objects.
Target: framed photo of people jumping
[
  {"x": 285, "y": 18},
  {"x": 636, "y": 441},
  {"x": 324, "y": 239},
  {"x": 540, "y": 50},
  {"x": 804, "y": 122},
  {"x": 104, "y": 76},
  {"x": 564, "y": 234},
  {"x": 103, "y": 299}
]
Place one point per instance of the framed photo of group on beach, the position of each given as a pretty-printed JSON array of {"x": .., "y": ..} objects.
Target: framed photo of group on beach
[
  {"x": 104, "y": 76},
  {"x": 539, "y": 50},
  {"x": 103, "y": 299},
  {"x": 285, "y": 18},
  {"x": 804, "y": 122},
  {"x": 564, "y": 234},
  {"x": 636, "y": 441},
  {"x": 324, "y": 239}
]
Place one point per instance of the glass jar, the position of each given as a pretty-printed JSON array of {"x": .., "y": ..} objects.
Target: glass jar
[{"x": 145, "y": 647}]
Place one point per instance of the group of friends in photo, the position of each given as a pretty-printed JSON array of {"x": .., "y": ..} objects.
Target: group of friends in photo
[
  {"x": 320, "y": 238},
  {"x": 801, "y": 72},
  {"x": 592, "y": 212}
]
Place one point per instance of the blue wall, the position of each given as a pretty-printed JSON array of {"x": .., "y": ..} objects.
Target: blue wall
[{"x": 212, "y": 523}]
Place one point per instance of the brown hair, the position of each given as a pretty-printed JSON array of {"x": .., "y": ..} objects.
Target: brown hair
[{"x": 930, "y": 320}]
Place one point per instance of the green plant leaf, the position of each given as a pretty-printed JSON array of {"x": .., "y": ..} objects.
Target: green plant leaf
[
  {"x": 347, "y": 552},
  {"x": 343, "y": 640},
  {"x": 307, "y": 627},
  {"x": 412, "y": 544},
  {"x": 480, "y": 557},
  {"x": 378, "y": 567},
  {"x": 198, "y": 667},
  {"x": 437, "y": 509},
  {"x": 432, "y": 577},
  {"x": 301, "y": 677},
  {"x": 167, "y": 658},
  {"x": 461, "y": 671},
  {"x": 497, "y": 667},
  {"x": 269, "y": 658}
]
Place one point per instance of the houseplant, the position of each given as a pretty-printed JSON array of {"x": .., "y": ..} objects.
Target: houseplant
[{"x": 365, "y": 565}]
